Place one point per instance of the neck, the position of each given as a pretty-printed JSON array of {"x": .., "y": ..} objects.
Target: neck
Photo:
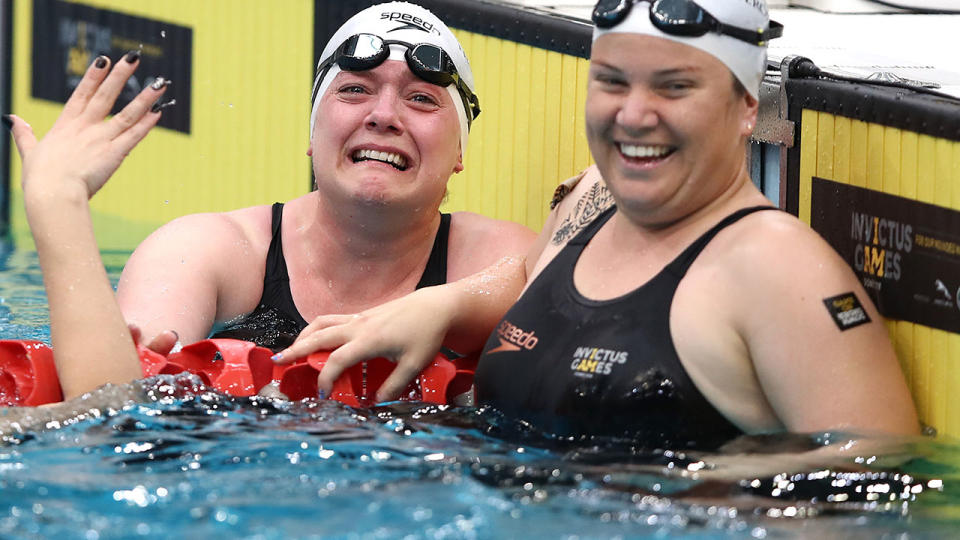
[
  {"x": 363, "y": 251},
  {"x": 738, "y": 192}
]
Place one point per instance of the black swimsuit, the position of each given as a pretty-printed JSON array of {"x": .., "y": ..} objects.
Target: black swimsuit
[
  {"x": 276, "y": 322},
  {"x": 576, "y": 367}
]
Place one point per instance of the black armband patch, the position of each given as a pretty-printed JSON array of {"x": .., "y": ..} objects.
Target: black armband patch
[{"x": 846, "y": 311}]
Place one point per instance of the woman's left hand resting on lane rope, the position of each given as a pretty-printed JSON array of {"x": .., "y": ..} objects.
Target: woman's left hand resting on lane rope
[
  {"x": 382, "y": 331},
  {"x": 61, "y": 172},
  {"x": 410, "y": 330}
]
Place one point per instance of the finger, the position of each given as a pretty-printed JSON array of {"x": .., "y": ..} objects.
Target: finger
[
  {"x": 339, "y": 361},
  {"x": 106, "y": 95},
  {"x": 135, "y": 333},
  {"x": 323, "y": 322},
  {"x": 326, "y": 339},
  {"x": 84, "y": 91},
  {"x": 408, "y": 367},
  {"x": 144, "y": 104},
  {"x": 164, "y": 342},
  {"x": 23, "y": 135},
  {"x": 126, "y": 140}
]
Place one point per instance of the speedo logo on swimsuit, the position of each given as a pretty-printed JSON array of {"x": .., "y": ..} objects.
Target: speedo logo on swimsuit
[
  {"x": 588, "y": 361},
  {"x": 514, "y": 338},
  {"x": 409, "y": 21}
]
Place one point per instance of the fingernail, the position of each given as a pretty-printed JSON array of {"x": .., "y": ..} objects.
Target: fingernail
[
  {"x": 321, "y": 394},
  {"x": 176, "y": 334},
  {"x": 157, "y": 107},
  {"x": 132, "y": 56},
  {"x": 7, "y": 121},
  {"x": 277, "y": 357},
  {"x": 159, "y": 83},
  {"x": 101, "y": 62}
]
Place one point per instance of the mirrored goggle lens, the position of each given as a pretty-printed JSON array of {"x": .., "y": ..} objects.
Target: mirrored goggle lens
[
  {"x": 680, "y": 17},
  {"x": 431, "y": 64},
  {"x": 362, "y": 52},
  {"x": 609, "y": 13}
]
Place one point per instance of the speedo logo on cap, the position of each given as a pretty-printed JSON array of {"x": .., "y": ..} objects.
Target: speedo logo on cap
[
  {"x": 513, "y": 338},
  {"x": 759, "y": 5},
  {"x": 410, "y": 22}
]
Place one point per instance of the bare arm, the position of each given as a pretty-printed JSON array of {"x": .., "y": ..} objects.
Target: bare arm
[
  {"x": 60, "y": 173},
  {"x": 820, "y": 363},
  {"x": 185, "y": 276}
]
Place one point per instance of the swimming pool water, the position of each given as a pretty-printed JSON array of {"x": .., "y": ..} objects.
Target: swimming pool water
[{"x": 185, "y": 461}]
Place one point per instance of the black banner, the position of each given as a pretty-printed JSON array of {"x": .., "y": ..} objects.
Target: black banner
[
  {"x": 67, "y": 37},
  {"x": 906, "y": 253}
]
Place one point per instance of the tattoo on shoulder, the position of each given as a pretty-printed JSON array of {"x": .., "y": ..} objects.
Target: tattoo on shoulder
[
  {"x": 590, "y": 205},
  {"x": 846, "y": 311}
]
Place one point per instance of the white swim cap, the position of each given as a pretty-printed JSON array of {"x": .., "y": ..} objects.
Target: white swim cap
[
  {"x": 748, "y": 62},
  {"x": 407, "y": 22}
]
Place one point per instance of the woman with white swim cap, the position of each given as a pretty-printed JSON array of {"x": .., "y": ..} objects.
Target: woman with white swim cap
[
  {"x": 690, "y": 310},
  {"x": 394, "y": 100}
]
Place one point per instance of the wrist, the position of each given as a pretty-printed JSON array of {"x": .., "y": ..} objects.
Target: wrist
[{"x": 64, "y": 194}]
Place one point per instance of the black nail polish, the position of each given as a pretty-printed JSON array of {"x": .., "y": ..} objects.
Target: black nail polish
[
  {"x": 101, "y": 62},
  {"x": 157, "y": 107},
  {"x": 132, "y": 56},
  {"x": 159, "y": 83},
  {"x": 7, "y": 121}
]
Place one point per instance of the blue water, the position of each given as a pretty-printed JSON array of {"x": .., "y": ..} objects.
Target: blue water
[{"x": 185, "y": 461}]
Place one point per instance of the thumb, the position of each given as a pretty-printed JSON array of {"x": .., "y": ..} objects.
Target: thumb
[{"x": 23, "y": 135}]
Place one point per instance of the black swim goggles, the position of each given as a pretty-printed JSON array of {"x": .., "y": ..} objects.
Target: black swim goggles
[
  {"x": 362, "y": 52},
  {"x": 681, "y": 18}
]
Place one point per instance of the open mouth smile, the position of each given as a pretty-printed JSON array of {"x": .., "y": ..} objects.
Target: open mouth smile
[
  {"x": 390, "y": 158},
  {"x": 645, "y": 154}
]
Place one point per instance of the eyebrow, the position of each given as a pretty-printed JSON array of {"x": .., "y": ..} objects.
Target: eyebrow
[{"x": 658, "y": 73}]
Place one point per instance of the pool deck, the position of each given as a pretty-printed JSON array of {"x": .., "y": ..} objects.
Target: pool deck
[{"x": 858, "y": 38}]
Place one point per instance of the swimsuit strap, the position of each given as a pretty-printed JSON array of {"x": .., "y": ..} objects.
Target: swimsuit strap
[
  {"x": 435, "y": 272},
  {"x": 682, "y": 263},
  {"x": 276, "y": 267},
  {"x": 276, "y": 279}
]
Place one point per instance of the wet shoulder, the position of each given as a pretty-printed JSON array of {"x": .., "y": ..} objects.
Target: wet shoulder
[
  {"x": 476, "y": 242},
  {"x": 774, "y": 250}
]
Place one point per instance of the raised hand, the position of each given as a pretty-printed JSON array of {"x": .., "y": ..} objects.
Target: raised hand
[
  {"x": 81, "y": 150},
  {"x": 90, "y": 338}
]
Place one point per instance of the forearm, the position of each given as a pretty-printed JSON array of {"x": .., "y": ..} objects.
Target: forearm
[
  {"x": 91, "y": 342},
  {"x": 476, "y": 304}
]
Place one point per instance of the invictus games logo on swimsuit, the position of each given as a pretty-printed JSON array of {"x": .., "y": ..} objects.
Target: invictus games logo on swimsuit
[
  {"x": 588, "y": 361},
  {"x": 880, "y": 243},
  {"x": 846, "y": 311},
  {"x": 514, "y": 338},
  {"x": 410, "y": 22}
]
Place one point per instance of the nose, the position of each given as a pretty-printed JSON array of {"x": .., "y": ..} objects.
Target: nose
[
  {"x": 384, "y": 116},
  {"x": 638, "y": 113}
]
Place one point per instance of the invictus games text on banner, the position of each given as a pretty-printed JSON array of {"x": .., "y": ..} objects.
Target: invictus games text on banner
[
  {"x": 906, "y": 253},
  {"x": 67, "y": 38}
]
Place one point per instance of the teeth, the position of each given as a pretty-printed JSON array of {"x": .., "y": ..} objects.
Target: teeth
[
  {"x": 631, "y": 150},
  {"x": 387, "y": 157}
]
